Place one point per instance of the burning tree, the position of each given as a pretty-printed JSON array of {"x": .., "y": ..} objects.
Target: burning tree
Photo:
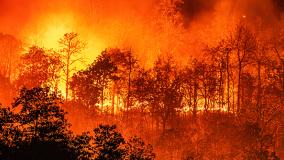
[{"x": 38, "y": 67}]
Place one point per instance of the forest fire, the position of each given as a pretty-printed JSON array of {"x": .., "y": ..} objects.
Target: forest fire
[{"x": 195, "y": 79}]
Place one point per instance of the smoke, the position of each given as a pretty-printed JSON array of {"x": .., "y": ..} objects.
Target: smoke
[
  {"x": 279, "y": 5},
  {"x": 131, "y": 23},
  {"x": 192, "y": 9}
]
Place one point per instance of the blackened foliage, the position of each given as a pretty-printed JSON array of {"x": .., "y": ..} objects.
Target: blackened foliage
[
  {"x": 138, "y": 150},
  {"x": 81, "y": 145},
  {"x": 40, "y": 114},
  {"x": 43, "y": 150},
  {"x": 36, "y": 128},
  {"x": 108, "y": 143}
]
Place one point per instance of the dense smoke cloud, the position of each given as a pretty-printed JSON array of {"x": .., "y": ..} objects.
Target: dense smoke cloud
[
  {"x": 268, "y": 11},
  {"x": 192, "y": 9}
]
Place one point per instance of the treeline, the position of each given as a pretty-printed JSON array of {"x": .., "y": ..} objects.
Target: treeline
[
  {"x": 35, "y": 127},
  {"x": 232, "y": 94}
]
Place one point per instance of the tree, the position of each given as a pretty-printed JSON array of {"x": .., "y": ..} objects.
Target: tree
[
  {"x": 38, "y": 68},
  {"x": 8, "y": 131},
  {"x": 35, "y": 127},
  {"x": 244, "y": 44},
  {"x": 40, "y": 116},
  {"x": 276, "y": 45},
  {"x": 108, "y": 143},
  {"x": 138, "y": 150},
  {"x": 160, "y": 89},
  {"x": 95, "y": 80},
  {"x": 207, "y": 83},
  {"x": 199, "y": 81},
  {"x": 71, "y": 47},
  {"x": 84, "y": 88},
  {"x": 45, "y": 150},
  {"x": 125, "y": 62},
  {"x": 221, "y": 60},
  {"x": 143, "y": 88},
  {"x": 81, "y": 144}
]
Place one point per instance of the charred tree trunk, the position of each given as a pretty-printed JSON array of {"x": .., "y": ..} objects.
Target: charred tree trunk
[
  {"x": 129, "y": 87},
  {"x": 228, "y": 81},
  {"x": 259, "y": 90},
  {"x": 67, "y": 78},
  {"x": 222, "y": 91},
  {"x": 102, "y": 99},
  {"x": 239, "y": 82},
  {"x": 195, "y": 100},
  {"x": 67, "y": 70}
]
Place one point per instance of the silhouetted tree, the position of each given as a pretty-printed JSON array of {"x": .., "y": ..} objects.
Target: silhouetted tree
[
  {"x": 244, "y": 44},
  {"x": 143, "y": 89},
  {"x": 40, "y": 116},
  {"x": 38, "y": 130},
  {"x": 71, "y": 47},
  {"x": 81, "y": 144},
  {"x": 160, "y": 88},
  {"x": 94, "y": 80},
  {"x": 38, "y": 68},
  {"x": 221, "y": 60},
  {"x": 126, "y": 65},
  {"x": 35, "y": 127},
  {"x": 8, "y": 132},
  {"x": 85, "y": 89},
  {"x": 138, "y": 150},
  {"x": 108, "y": 143}
]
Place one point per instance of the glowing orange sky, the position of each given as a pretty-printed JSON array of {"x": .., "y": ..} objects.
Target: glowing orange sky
[{"x": 124, "y": 23}]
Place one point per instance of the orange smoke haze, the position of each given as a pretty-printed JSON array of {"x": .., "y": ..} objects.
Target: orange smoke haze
[
  {"x": 131, "y": 23},
  {"x": 139, "y": 25}
]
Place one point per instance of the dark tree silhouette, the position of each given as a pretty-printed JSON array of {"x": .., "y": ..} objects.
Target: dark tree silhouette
[
  {"x": 160, "y": 88},
  {"x": 138, "y": 150},
  {"x": 40, "y": 114},
  {"x": 71, "y": 47},
  {"x": 243, "y": 44},
  {"x": 108, "y": 143},
  {"x": 81, "y": 144},
  {"x": 126, "y": 65},
  {"x": 35, "y": 128},
  {"x": 89, "y": 85}
]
